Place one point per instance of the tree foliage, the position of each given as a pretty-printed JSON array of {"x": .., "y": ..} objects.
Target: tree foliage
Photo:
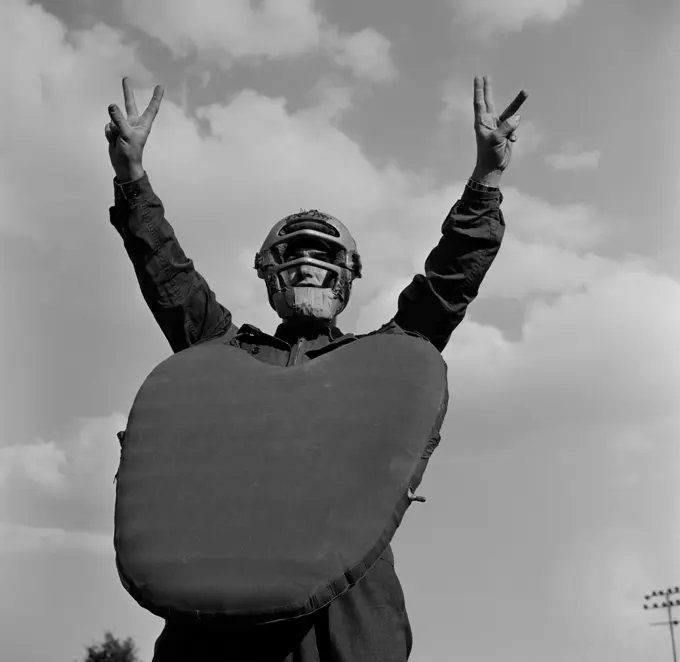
[{"x": 112, "y": 650}]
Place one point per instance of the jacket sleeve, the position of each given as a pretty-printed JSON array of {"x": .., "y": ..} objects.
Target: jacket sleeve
[
  {"x": 178, "y": 296},
  {"x": 434, "y": 304}
]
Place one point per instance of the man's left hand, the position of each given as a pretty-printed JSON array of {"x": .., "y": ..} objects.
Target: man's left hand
[{"x": 495, "y": 134}]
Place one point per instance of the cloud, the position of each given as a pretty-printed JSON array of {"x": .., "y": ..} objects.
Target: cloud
[
  {"x": 234, "y": 28},
  {"x": 580, "y": 369},
  {"x": 529, "y": 138},
  {"x": 63, "y": 485},
  {"x": 43, "y": 97},
  {"x": 571, "y": 159},
  {"x": 223, "y": 31},
  {"x": 490, "y": 16},
  {"x": 365, "y": 53},
  {"x": 330, "y": 100},
  {"x": 529, "y": 269},
  {"x": 575, "y": 225},
  {"x": 41, "y": 463},
  {"x": 456, "y": 96}
]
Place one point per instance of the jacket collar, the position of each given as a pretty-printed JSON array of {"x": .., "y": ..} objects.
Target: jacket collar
[{"x": 290, "y": 335}]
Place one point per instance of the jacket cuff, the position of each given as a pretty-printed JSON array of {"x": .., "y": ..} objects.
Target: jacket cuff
[{"x": 129, "y": 192}]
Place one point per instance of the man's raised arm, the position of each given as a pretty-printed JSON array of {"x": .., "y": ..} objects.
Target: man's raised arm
[
  {"x": 177, "y": 295},
  {"x": 434, "y": 304}
]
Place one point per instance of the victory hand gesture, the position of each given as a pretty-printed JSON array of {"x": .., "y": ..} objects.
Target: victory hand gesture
[
  {"x": 494, "y": 133},
  {"x": 127, "y": 136}
]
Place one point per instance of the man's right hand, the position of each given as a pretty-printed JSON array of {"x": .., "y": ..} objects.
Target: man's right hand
[{"x": 127, "y": 137}]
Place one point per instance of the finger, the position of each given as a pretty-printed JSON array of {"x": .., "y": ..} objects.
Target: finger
[
  {"x": 488, "y": 95},
  {"x": 507, "y": 127},
  {"x": 152, "y": 109},
  {"x": 118, "y": 120},
  {"x": 130, "y": 102},
  {"x": 478, "y": 99},
  {"x": 514, "y": 106},
  {"x": 111, "y": 133}
]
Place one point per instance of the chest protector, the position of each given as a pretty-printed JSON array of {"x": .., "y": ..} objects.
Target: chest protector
[{"x": 249, "y": 493}]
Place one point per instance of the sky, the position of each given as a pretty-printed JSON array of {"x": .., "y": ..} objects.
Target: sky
[{"x": 552, "y": 500}]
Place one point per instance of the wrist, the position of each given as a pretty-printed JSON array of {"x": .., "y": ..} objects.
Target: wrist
[{"x": 487, "y": 178}]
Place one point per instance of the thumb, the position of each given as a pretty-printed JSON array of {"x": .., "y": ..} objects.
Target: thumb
[
  {"x": 118, "y": 119},
  {"x": 508, "y": 126}
]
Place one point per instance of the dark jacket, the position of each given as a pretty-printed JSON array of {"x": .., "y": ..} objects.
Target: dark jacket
[{"x": 369, "y": 622}]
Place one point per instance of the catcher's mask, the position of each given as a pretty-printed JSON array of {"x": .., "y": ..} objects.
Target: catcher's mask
[{"x": 309, "y": 228}]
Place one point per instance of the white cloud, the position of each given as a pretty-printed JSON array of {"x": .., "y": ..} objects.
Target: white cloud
[
  {"x": 232, "y": 27},
  {"x": 490, "y": 16},
  {"x": 224, "y": 30},
  {"x": 457, "y": 98},
  {"x": 330, "y": 100},
  {"x": 531, "y": 219},
  {"x": 381, "y": 308},
  {"x": 536, "y": 268},
  {"x": 41, "y": 463},
  {"x": 43, "y": 97},
  {"x": 529, "y": 138},
  {"x": 365, "y": 53},
  {"x": 65, "y": 484},
  {"x": 574, "y": 160},
  {"x": 580, "y": 369}
]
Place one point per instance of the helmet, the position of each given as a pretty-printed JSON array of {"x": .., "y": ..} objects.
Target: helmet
[{"x": 324, "y": 303}]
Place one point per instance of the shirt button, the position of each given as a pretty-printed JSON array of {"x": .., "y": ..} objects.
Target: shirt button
[{"x": 255, "y": 350}]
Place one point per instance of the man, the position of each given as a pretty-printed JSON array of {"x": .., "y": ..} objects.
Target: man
[{"x": 308, "y": 262}]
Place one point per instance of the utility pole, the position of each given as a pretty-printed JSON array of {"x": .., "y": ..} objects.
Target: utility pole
[{"x": 668, "y": 605}]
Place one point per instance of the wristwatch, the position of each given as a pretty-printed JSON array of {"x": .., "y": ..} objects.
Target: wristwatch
[{"x": 483, "y": 188}]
